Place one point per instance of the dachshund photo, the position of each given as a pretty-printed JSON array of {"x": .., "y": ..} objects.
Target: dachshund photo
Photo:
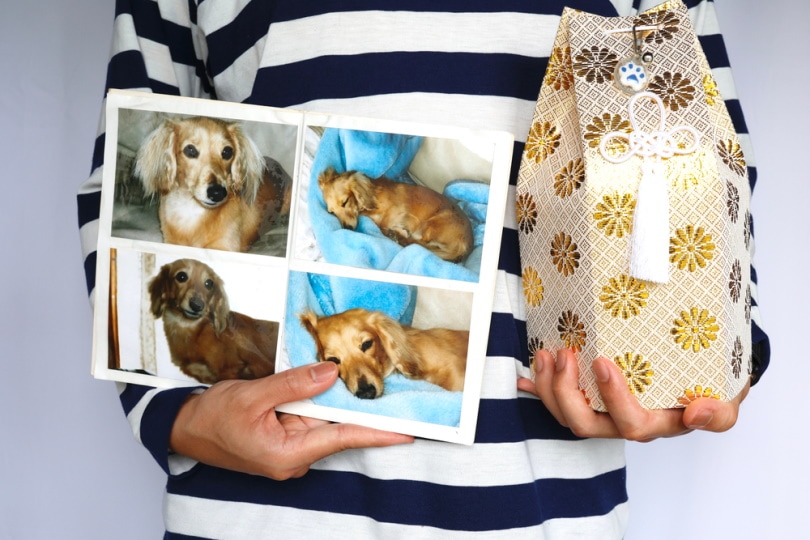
[
  {"x": 214, "y": 186},
  {"x": 367, "y": 346},
  {"x": 406, "y": 213},
  {"x": 207, "y": 340}
]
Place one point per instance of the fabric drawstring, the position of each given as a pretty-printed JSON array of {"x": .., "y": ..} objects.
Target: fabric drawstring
[{"x": 649, "y": 241}]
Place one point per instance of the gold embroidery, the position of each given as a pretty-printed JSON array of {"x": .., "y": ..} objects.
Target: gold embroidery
[
  {"x": 558, "y": 73},
  {"x": 571, "y": 330},
  {"x": 526, "y": 213},
  {"x": 532, "y": 287},
  {"x": 690, "y": 248},
  {"x": 543, "y": 141},
  {"x": 690, "y": 395},
  {"x": 636, "y": 370},
  {"x": 695, "y": 329},
  {"x": 614, "y": 215},
  {"x": 624, "y": 296},
  {"x": 732, "y": 155},
  {"x": 601, "y": 126},
  {"x": 564, "y": 254},
  {"x": 735, "y": 281},
  {"x": 667, "y": 21},
  {"x": 710, "y": 89},
  {"x": 569, "y": 178},
  {"x": 675, "y": 90},
  {"x": 732, "y": 201},
  {"x": 736, "y": 358},
  {"x": 595, "y": 64}
]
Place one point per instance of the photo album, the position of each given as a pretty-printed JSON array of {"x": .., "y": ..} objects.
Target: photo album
[{"x": 237, "y": 241}]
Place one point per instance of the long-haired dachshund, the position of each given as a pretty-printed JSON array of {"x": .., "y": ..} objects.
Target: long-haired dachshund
[
  {"x": 207, "y": 340},
  {"x": 367, "y": 346},
  {"x": 406, "y": 213},
  {"x": 212, "y": 182}
]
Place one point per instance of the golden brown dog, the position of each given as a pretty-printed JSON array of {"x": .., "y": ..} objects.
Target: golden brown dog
[
  {"x": 367, "y": 346},
  {"x": 406, "y": 213},
  {"x": 212, "y": 182},
  {"x": 207, "y": 340}
]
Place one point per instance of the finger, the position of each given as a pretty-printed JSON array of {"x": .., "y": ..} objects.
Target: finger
[
  {"x": 297, "y": 383},
  {"x": 632, "y": 421},
  {"x": 579, "y": 416},
  {"x": 543, "y": 381},
  {"x": 713, "y": 415}
]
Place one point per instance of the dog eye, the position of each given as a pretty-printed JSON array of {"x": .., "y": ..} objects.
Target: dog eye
[
  {"x": 191, "y": 151},
  {"x": 181, "y": 277},
  {"x": 366, "y": 345},
  {"x": 345, "y": 203},
  {"x": 209, "y": 284},
  {"x": 334, "y": 359},
  {"x": 227, "y": 152}
]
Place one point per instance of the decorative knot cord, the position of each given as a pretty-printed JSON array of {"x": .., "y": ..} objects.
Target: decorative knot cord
[{"x": 649, "y": 242}]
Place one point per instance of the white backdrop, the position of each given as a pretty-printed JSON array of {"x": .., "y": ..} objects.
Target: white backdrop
[{"x": 68, "y": 465}]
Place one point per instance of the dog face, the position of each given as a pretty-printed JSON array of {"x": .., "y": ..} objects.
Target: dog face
[
  {"x": 346, "y": 195},
  {"x": 211, "y": 160},
  {"x": 191, "y": 291},
  {"x": 361, "y": 343}
]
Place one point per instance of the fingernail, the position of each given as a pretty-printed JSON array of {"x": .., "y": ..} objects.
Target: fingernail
[
  {"x": 322, "y": 371},
  {"x": 701, "y": 420},
  {"x": 601, "y": 371},
  {"x": 560, "y": 360},
  {"x": 538, "y": 363}
]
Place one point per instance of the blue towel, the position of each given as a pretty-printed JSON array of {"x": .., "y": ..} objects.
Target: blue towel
[
  {"x": 326, "y": 295},
  {"x": 378, "y": 154}
]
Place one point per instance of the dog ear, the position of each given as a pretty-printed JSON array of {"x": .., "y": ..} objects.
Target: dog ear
[
  {"x": 363, "y": 191},
  {"x": 219, "y": 309},
  {"x": 309, "y": 320},
  {"x": 393, "y": 339},
  {"x": 159, "y": 289},
  {"x": 249, "y": 165},
  {"x": 156, "y": 164}
]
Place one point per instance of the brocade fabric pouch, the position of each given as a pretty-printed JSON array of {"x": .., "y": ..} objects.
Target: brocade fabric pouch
[{"x": 633, "y": 211}]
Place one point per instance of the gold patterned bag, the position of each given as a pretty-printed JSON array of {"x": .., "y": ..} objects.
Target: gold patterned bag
[{"x": 633, "y": 211}]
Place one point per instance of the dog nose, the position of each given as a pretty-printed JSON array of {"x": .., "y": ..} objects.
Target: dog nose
[
  {"x": 365, "y": 390},
  {"x": 216, "y": 192},
  {"x": 196, "y": 304}
]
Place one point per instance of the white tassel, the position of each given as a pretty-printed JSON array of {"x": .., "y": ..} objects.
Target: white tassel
[{"x": 649, "y": 242}]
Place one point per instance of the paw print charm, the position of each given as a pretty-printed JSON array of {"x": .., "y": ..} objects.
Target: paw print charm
[{"x": 631, "y": 76}]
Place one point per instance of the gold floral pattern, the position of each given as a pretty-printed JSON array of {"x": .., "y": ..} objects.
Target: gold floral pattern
[
  {"x": 595, "y": 64},
  {"x": 666, "y": 21},
  {"x": 543, "y": 141},
  {"x": 559, "y": 74},
  {"x": 601, "y": 126},
  {"x": 747, "y": 230},
  {"x": 636, "y": 370},
  {"x": 695, "y": 329},
  {"x": 710, "y": 90},
  {"x": 690, "y": 248},
  {"x": 692, "y": 394},
  {"x": 732, "y": 155},
  {"x": 675, "y": 90},
  {"x": 572, "y": 330},
  {"x": 535, "y": 344},
  {"x": 532, "y": 287},
  {"x": 564, "y": 254},
  {"x": 569, "y": 178},
  {"x": 624, "y": 296},
  {"x": 735, "y": 281},
  {"x": 732, "y": 201},
  {"x": 748, "y": 301},
  {"x": 614, "y": 215},
  {"x": 526, "y": 213},
  {"x": 736, "y": 358}
]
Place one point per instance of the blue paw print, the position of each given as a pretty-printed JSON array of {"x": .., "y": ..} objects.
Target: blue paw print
[{"x": 632, "y": 75}]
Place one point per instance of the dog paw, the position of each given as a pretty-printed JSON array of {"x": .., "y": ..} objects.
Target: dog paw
[{"x": 632, "y": 76}]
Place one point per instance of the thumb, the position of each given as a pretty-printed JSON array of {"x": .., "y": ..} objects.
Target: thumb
[{"x": 301, "y": 383}]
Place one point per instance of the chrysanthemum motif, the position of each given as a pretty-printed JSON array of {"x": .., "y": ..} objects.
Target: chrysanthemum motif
[
  {"x": 532, "y": 287},
  {"x": 747, "y": 230},
  {"x": 675, "y": 90},
  {"x": 559, "y": 74},
  {"x": 710, "y": 89},
  {"x": 732, "y": 201},
  {"x": 735, "y": 281},
  {"x": 636, "y": 370},
  {"x": 572, "y": 330},
  {"x": 569, "y": 178},
  {"x": 666, "y": 21},
  {"x": 695, "y": 329},
  {"x": 564, "y": 254},
  {"x": 526, "y": 213},
  {"x": 690, "y": 395},
  {"x": 690, "y": 248},
  {"x": 732, "y": 155},
  {"x": 614, "y": 215},
  {"x": 748, "y": 304},
  {"x": 736, "y": 358},
  {"x": 535, "y": 344},
  {"x": 624, "y": 296},
  {"x": 595, "y": 64},
  {"x": 543, "y": 141},
  {"x": 601, "y": 126}
]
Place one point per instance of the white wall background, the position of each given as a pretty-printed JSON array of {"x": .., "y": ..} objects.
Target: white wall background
[{"x": 68, "y": 465}]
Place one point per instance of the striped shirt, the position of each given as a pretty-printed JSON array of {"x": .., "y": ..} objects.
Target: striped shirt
[{"x": 475, "y": 64}]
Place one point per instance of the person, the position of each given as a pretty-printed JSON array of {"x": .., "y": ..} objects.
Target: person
[{"x": 539, "y": 468}]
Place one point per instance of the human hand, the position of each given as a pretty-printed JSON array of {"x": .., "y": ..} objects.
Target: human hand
[
  {"x": 234, "y": 425},
  {"x": 556, "y": 384}
]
